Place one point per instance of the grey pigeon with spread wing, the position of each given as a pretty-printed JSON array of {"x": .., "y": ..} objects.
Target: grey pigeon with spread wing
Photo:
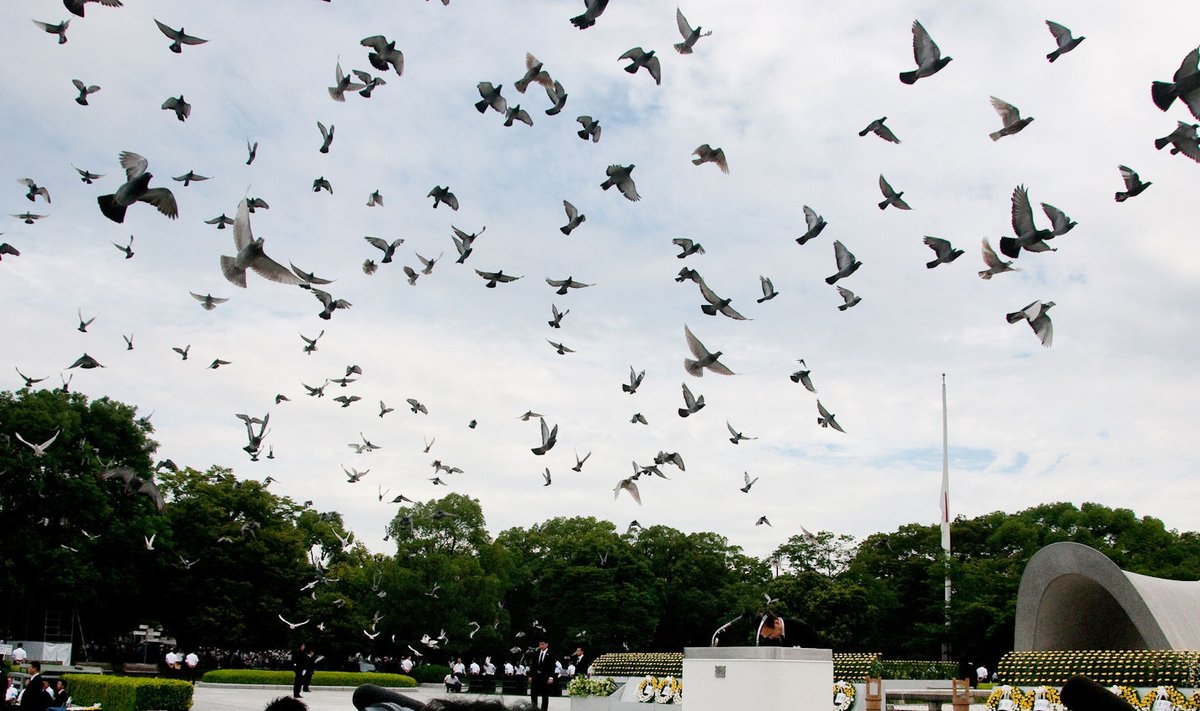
[
  {"x": 136, "y": 189},
  {"x": 927, "y": 55},
  {"x": 250, "y": 255}
]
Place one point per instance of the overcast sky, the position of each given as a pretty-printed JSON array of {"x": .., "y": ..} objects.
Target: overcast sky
[{"x": 1107, "y": 414}]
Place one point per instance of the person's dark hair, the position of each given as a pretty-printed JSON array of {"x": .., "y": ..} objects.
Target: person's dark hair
[
  {"x": 35, "y": 666},
  {"x": 286, "y": 703}
]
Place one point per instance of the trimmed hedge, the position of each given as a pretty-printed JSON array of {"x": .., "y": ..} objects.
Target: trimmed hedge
[
  {"x": 127, "y": 693},
  {"x": 320, "y": 678},
  {"x": 430, "y": 673}
]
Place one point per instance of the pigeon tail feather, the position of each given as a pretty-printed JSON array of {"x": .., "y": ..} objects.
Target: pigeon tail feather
[
  {"x": 1163, "y": 94},
  {"x": 232, "y": 272},
  {"x": 908, "y": 77},
  {"x": 110, "y": 208},
  {"x": 1009, "y": 247}
]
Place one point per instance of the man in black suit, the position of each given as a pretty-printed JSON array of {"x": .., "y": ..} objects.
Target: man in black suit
[
  {"x": 34, "y": 697},
  {"x": 541, "y": 675}
]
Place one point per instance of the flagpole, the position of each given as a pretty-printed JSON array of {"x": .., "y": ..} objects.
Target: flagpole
[{"x": 945, "y": 525}]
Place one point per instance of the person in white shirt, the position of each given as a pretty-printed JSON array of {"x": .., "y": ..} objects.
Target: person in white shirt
[
  {"x": 474, "y": 668},
  {"x": 509, "y": 669},
  {"x": 453, "y": 683},
  {"x": 172, "y": 659},
  {"x": 18, "y": 654},
  {"x": 192, "y": 661},
  {"x": 981, "y": 674},
  {"x": 489, "y": 668},
  {"x": 458, "y": 667}
]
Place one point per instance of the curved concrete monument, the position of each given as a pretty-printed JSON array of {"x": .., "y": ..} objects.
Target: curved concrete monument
[{"x": 1073, "y": 597}]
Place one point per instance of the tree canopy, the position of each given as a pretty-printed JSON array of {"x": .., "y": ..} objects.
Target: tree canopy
[{"x": 226, "y": 562}]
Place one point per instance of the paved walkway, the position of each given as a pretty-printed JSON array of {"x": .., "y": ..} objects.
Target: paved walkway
[{"x": 231, "y": 697}]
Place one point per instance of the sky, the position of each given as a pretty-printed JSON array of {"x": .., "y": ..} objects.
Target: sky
[{"x": 1106, "y": 414}]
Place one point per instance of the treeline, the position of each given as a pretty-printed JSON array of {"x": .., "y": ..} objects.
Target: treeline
[{"x": 225, "y": 558}]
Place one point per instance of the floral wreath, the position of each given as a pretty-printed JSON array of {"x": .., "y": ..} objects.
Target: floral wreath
[
  {"x": 1019, "y": 698},
  {"x": 668, "y": 690},
  {"x": 845, "y": 690},
  {"x": 1176, "y": 697}
]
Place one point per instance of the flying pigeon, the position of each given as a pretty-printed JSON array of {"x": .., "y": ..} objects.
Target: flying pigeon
[
  {"x": 638, "y": 58},
  {"x": 995, "y": 265},
  {"x": 815, "y": 224},
  {"x": 384, "y": 55},
  {"x": 549, "y": 438},
  {"x": 691, "y": 404},
  {"x": 250, "y": 255},
  {"x": 749, "y": 482},
  {"x": 443, "y": 196},
  {"x": 1182, "y": 140},
  {"x": 490, "y": 98},
  {"x": 6, "y": 248},
  {"x": 687, "y": 247},
  {"x": 619, "y": 175},
  {"x": 717, "y": 304},
  {"x": 941, "y": 247},
  {"x": 891, "y": 197},
  {"x": 737, "y": 436},
  {"x": 39, "y": 450},
  {"x": 342, "y": 84},
  {"x": 416, "y": 406},
  {"x": 326, "y": 137},
  {"x": 34, "y": 190},
  {"x": 707, "y": 154},
  {"x": 1039, "y": 320},
  {"x": 557, "y": 316},
  {"x": 849, "y": 298},
  {"x": 635, "y": 380},
  {"x": 560, "y": 348},
  {"x": 927, "y": 55},
  {"x": 533, "y": 73},
  {"x": 574, "y": 219},
  {"x": 388, "y": 248},
  {"x": 83, "y": 325},
  {"x": 516, "y": 113},
  {"x": 76, "y": 7},
  {"x": 84, "y": 91},
  {"x": 592, "y": 10},
  {"x": 579, "y": 462},
  {"x": 87, "y": 176},
  {"x": 251, "y": 152},
  {"x": 136, "y": 188},
  {"x": 591, "y": 128},
  {"x": 803, "y": 377},
  {"x": 690, "y": 35},
  {"x": 178, "y": 37},
  {"x": 189, "y": 177},
  {"x": 1133, "y": 184},
  {"x": 182, "y": 109},
  {"x": 562, "y": 285},
  {"x": 493, "y": 278},
  {"x": 1029, "y": 237},
  {"x": 558, "y": 97},
  {"x": 1185, "y": 87},
  {"x": 1063, "y": 37},
  {"x": 703, "y": 358},
  {"x": 1010, "y": 116},
  {"x": 846, "y": 263},
  {"x": 825, "y": 419},
  {"x": 879, "y": 129},
  {"x": 208, "y": 302},
  {"x": 60, "y": 29},
  {"x": 768, "y": 290}
]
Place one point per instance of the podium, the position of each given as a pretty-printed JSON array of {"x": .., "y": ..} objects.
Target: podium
[{"x": 769, "y": 678}]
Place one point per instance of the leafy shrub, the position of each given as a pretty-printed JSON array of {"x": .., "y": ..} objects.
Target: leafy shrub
[
  {"x": 1140, "y": 667},
  {"x": 639, "y": 664},
  {"x": 913, "y": 669},
  {"x": 430, "y": 673},
  {"x": 320, "y": 678},
  {"x": 583, "y": 686},
  {"x": 126, "y": 693}
]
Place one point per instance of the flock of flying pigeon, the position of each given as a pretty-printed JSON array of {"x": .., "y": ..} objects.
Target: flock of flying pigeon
[{"x": 251, "y": 256}]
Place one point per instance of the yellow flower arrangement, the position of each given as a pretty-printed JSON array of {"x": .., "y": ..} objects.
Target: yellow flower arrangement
[{"x": 843, "y": 695}]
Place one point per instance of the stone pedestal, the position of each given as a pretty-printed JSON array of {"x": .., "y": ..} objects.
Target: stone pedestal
[{"x": 766, "y": 678}]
